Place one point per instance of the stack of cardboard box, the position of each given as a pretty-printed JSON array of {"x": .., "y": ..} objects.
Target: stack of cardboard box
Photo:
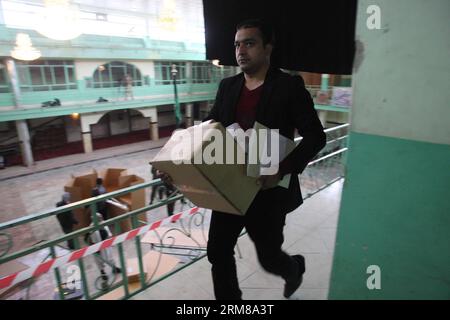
[{"x": 80, "y": 188}]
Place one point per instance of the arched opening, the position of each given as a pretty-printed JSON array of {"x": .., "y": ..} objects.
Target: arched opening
[
  {"x": 119, "y": 127},
  {"x": 113, "y": 74},
  {"x": 50, "y": 137}
]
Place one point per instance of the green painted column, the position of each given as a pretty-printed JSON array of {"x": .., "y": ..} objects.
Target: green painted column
[
  {"x": 324, "y": 91},
  {"x": 188, "y": 116},
  {"x": 21, "y": 125},
  {"x": 393, "y": 230},
  {"x": 177, "y": 102},
  {"x": 324, "y": 82}
]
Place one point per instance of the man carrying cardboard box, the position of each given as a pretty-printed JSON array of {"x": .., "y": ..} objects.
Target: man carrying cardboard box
[{"x": 276, "y": 100}]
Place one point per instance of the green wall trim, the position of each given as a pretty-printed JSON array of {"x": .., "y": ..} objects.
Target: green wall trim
[
  {"x": 395, "y": 213},
  {"x": 33, "y": 113},
  {"x": 332, "y": 108},
  {"x": 117, "y": 93}
]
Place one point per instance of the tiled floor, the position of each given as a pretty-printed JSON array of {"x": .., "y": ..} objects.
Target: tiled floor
[{"x": 310, "y": 230}]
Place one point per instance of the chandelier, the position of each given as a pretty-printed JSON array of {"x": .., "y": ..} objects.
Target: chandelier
[{"x": 24, "y": 48}]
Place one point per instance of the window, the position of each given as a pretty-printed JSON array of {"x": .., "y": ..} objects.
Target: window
[
  {"x": 229, "y": 71},
  {"x": 202, "y": 72},
  {"x": 111, "y": 75},
  {"x": 223, "y": 72},
  {"x": 4, "y": 87},
  {"x": 163, "y": 73},
  {"x": 46, "y": 75}
]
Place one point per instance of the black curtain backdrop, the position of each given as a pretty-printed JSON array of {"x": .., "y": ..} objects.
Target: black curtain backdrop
[{"x": 313, "y": 36}]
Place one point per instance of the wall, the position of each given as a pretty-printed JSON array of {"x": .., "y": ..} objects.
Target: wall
[
  {"x": 138, "y": 121},
  {"x": 86, "y": 69},
  {"x": 119, "y": 122},
  {"x": 33, "y": 123},
  {"x": 395, "y": 206},
  {"x": 73, "y": 129},
  {"x": 166, "y": 116}
]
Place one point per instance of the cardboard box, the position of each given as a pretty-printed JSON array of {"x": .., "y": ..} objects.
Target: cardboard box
[
  {"x": 136, "y": 199},
  {"x": 157, "y": 265},
  {"x": 111, "y": 177},
  {"x": 133, "y": 270},
  {"x": 80, "y": 188},
  {"x": 223, "y": 187},
  {"x": 115, "y": 209}
]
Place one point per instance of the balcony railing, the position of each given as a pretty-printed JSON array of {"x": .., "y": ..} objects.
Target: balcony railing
[{"x": 178, "y": 241}]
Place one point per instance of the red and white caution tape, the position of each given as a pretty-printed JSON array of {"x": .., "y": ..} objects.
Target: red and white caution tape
[{"x": 44, "y": 267}]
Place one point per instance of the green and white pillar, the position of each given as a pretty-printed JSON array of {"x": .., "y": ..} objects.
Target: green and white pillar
[
  {"x": 21, "y": 125},
  {"x": 393, "y": 231}
]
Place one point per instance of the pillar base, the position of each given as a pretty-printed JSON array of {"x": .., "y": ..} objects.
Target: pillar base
[
  {"x": 87, "y": 142},
  {"x": 154, "y": 133},
  {"x": 189, "y": 121}
]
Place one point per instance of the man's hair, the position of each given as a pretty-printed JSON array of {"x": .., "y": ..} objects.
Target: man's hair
[
  {"x": 266, "y": 30},
  {"x": 99, "y": 181}
]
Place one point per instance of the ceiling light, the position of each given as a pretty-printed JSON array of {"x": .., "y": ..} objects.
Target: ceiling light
[
  {"x": 59, "y": 20},
  {"x": 24, "y": 48}
]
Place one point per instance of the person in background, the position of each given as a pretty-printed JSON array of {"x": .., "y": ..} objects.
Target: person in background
[
  {"x": 128, "y": 84},
  {"x": 99, "y": 189},
  {"x": 66, "y": 219},
  {"x": 166, "y": 188}
]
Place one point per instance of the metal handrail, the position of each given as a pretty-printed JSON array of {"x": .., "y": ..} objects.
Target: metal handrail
[
  {"x": 327, "y": 156},
  {"x": 79, "y": 232},
  {"x": 103, "y": 197},
  {"x": 78, "y": 204},
  {"x": 342, "y": 126},
  {"x": 133, "y": 215}
]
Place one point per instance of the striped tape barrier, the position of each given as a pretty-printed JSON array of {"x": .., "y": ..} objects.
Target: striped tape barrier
[{"x": 44, "y": 267}]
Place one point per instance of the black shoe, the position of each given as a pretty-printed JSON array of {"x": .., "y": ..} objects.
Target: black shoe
[{"x": 292, "y": 285}]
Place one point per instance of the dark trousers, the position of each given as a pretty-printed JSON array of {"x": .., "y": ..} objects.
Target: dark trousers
[
  {"x": 155, "y": 189},
  {"x": 168, "y": 191},
  {"x": 264, "y": 225},
  {"x": 70, "y": 242}
]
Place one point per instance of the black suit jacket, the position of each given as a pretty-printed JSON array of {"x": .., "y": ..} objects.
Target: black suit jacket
[{"x": 286, "y": 105}]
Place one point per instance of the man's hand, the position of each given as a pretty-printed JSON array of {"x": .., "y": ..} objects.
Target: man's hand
[{"x": 267, "y": 182}]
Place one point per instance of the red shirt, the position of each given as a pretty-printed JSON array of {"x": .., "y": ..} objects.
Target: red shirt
[{"x": 246, "y": 107}]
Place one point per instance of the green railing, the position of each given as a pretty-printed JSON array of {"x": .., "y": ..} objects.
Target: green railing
[
  {"x": 329, "y": 165},
  {"x": 96, "y": 225},
  {"x": 325, "y": 169}
]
